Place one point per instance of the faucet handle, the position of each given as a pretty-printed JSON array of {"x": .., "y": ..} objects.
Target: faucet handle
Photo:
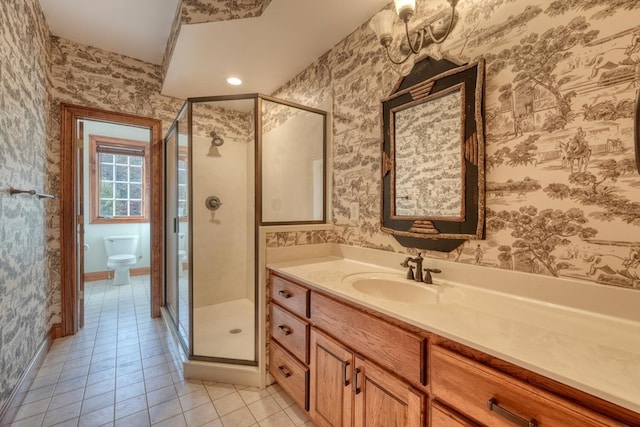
[
  {"x": 410, "y": 275},
  {"x": 427, "y": 274}
]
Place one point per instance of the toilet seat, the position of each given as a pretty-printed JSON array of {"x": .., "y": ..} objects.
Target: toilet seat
[{"x": 121, "y": 259}]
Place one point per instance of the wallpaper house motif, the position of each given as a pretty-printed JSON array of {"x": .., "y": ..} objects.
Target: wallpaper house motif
[{"x": 562, "y": 187}]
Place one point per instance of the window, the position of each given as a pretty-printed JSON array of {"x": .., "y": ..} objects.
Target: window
[
  {"x": 119, "y": 179},
  {"x": 182, "y": 184}
]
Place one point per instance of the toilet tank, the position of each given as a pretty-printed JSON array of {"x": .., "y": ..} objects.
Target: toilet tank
[{"x": 121, "y": 245}]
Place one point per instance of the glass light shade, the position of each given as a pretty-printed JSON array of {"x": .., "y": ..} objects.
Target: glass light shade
[
  {"x": 382, "y": 24},
  {"x": 405, "y": 8}
]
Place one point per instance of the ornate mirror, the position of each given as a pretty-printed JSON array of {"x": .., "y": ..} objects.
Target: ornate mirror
[{"x": 433, "y": 156}]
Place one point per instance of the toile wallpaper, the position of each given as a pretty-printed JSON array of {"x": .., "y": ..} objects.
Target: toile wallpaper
[
  {"x": 91, "y": 77},
  {"x": 196, "y": 11},
  {"x": 24, "y": 121},
  {"x": 562, "y": 187}
]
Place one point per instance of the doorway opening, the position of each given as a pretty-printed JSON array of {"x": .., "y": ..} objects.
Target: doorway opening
[{"x": 111, "y": 191}]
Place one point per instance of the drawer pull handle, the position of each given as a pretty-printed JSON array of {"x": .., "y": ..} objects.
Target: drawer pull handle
[
  {"x": 284, "y": 372},
  {"x": 492, "y": 405},
  {"x": 285, "y": 329},
  {"x": 345, "y": 380},
  {"x": 285, "y": 294},
  {"x": 356, "y": 389}
]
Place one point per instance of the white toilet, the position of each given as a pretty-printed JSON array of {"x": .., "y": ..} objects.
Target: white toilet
[
  {"x": 121, "y": 253},
  {"x": 182, "y": 253}
]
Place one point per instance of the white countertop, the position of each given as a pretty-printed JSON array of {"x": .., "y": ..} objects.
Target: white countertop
[{"x": 593, "y": 352}]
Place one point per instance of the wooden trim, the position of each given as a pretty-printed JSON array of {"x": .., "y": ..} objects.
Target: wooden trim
[
  {"x": 557, "y": 388},
  {"x": 94, "y": 182},
  {"x": 10, "y": 409},
  {"x": 105, "y": 275},
  {"x": 68, "y": 220}
]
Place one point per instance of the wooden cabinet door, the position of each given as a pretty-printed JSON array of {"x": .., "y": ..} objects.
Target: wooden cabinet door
[
  {"x": 331, "y": 370},
  {"x": 383, "y": 400}
]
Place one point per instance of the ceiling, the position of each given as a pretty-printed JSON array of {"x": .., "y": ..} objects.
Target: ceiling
[{"x": 264, "y": 51}]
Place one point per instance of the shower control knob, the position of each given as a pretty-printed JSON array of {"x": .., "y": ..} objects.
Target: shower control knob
[{"x": 213, "y": 203}]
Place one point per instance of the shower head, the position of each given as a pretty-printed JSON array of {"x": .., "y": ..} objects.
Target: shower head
[{"x": 216, "y": 141}]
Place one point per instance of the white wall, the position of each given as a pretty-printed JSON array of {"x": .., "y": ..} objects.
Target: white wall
[
  {"x": 96, "y": 257},
  {"x": 291, "y": 162},
  {"x": 221, "y": 239}
]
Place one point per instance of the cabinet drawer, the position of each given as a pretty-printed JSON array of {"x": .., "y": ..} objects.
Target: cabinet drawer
[
  {"x": 291, "y": 332},
  {"x": 293, "y": 297},
  {"x": 400, "y": 351},
  {"x": 469, "y": 386},
  {"x": 444, "y": 417},
  {"x": 290, "y": 374}
]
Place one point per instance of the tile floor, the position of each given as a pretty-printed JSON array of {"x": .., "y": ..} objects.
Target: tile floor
[{"x": 124, "y": 369}]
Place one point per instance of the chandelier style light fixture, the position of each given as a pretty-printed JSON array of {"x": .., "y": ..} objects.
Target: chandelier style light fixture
[{"x": 382, "y": 24}]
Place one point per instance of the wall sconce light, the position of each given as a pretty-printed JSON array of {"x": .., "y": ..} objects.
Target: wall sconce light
[
  {"x": 382, "y": 24},
  {"x": 216, "y": 141}
]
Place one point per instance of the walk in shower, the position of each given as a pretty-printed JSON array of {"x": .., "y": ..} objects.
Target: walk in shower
[{"x": 229, "y": 170}]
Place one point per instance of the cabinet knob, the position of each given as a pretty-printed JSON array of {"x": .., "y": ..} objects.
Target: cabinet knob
[
  {"x": 492, "y": 405},
  {"x": 285, "y": 329},
  {"x": 285, "y": 294}
]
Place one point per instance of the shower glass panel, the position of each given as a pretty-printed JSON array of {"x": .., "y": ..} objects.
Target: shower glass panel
[
  {"x": 223, "y": 223},
  {"x": 182, "y": 226},
  {"x": 213, "y": 191},
  {"x": 293, "y": 172},
  {"x": 170, "y": 241}
]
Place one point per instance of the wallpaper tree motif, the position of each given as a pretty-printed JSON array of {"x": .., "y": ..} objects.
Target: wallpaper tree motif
[{"x": 561, "y": 181}]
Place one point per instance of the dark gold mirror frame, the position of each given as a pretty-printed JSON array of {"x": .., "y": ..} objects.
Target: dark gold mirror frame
[{"x": 428, "y": 80}]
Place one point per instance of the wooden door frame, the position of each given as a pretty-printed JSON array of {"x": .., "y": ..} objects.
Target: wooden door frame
[{"x": 69, "y": 222}]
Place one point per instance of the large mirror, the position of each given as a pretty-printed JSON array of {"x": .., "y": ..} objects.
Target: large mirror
[{"x": 433, "y": 156}]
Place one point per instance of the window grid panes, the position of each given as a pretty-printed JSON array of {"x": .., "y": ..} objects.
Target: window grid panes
[
  {"x": 121, "y": 185},
  {"x": 182, "y": 188}
]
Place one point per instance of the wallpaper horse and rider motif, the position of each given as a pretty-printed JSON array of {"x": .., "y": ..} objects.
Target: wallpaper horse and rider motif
[{"x": 562, "y": 185}]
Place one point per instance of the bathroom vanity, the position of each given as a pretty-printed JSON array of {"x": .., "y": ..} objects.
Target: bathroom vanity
[{"x": 354, "y": 342}]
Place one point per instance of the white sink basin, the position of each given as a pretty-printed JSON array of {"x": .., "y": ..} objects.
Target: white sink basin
[{"x": 389, "y": 286}]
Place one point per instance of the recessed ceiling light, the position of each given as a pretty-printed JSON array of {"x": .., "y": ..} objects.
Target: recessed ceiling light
[{"x": 234, "y": 81}]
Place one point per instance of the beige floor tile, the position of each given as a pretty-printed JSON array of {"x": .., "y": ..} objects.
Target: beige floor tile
[
  {"x": 58, "y": 415},
  {"x": 67, "y": 398},
  {"x": 279, "y": 419},
  {"x": 188, "y": 386},
  {"x": 129, "y": 391},
  {"x": 161, "y": 395},
  {"x": 239, "y": 418},
  {"x": 164, "y": 411},
  {"x": 297, "y": 415},
  {"x": 32, "y": 421},
  {"x": 193, "y": 400},
  {"x": 34, "y": 408},
  {"x": 201, "y": 415},
  {"x": 139, "y": 419},
  {"x": 264, "y": 408},
  {"x": 228, "y": 403},
  {"x": 131, "y": 406},
  {"x": 253, "y": 394},
  {"x": 175, "y": 421},
  {"x": 218, "y": 390},
  {"x": 97, "y": 418}
]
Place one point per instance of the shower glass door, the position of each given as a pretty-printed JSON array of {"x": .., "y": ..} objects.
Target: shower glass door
[
  {"x": 222, "y": 221},
  {"x": 177, "y": 290}
]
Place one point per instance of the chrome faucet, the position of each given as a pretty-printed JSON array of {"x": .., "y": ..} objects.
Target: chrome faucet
[{"x": 419, "y": 277}]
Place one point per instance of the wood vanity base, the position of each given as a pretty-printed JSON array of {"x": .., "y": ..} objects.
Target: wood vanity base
[{"x": 349, "y": 365}]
